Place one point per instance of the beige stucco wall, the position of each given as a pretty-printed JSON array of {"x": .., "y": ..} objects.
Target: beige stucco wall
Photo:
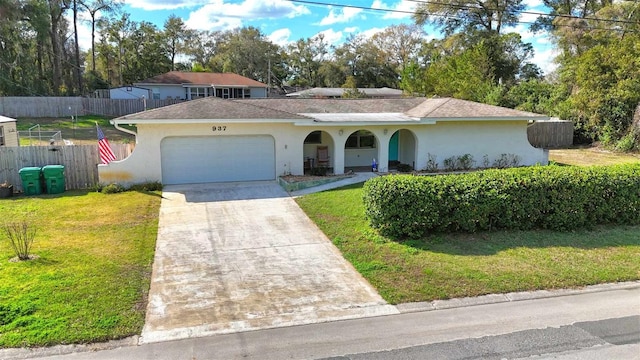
[
  {"x": 10, "y": 133},
  {"x": 443, "y": 140}
]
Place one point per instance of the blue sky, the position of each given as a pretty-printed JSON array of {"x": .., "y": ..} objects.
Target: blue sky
[{"x": 285, "y": 21}]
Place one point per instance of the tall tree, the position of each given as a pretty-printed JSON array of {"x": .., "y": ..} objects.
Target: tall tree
[
  {"x": 57, "y": 9},
  {"x": 400, "y": 44},
  {"x": 176, "y": 35},
  {"x": 304, "y": 59},
  {"x": 94, "y": 8},
  {"x": 455, "y": 15}
]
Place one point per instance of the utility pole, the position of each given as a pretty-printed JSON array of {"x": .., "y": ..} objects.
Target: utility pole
[{"x": 269, "y": 78}]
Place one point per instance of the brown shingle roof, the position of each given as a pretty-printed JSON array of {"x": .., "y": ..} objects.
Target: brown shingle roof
[
  {"x": 211, "y": 108},
  {"x": 455, "y": 108},
  {"x": 298, "y": 106},
  {"x": 295, "y": 109},
  {"x": 202, "y": 78}
]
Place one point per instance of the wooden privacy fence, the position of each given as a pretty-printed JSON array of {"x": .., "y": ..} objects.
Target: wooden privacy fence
[
  {"x": 34, "y": 107},
  {"x": 551, "y": 134},
  {"x": 80, "y": 162}
]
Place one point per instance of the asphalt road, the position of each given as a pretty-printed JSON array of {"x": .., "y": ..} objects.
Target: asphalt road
[
  {"x": 595, "y": 338},
  {"x": 588, "y": 324}
]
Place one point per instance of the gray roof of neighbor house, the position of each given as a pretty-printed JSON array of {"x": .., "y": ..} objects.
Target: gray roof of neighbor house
[
  {"x": 332, "y": 110},
  {"x": 338, "y": 92},
  {"x": 202, "y": 78}
]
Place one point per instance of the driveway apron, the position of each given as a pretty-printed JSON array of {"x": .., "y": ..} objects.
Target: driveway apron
[{"x": 243, "y": 256}]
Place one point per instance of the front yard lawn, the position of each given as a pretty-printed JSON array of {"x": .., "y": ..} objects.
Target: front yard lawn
[
  {"x": 458, "y": 265},
  {"x": 91, "y": 279}
]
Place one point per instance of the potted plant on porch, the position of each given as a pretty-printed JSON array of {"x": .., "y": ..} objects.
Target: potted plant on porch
[{"x": 6, "y": 189}]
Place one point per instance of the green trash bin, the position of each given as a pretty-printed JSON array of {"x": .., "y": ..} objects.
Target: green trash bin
[
  {"x": 54, "y": 178},
  {"x": 31, "y": 180}
]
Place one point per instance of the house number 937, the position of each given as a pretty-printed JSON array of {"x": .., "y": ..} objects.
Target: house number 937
[{"x": 219, "y": 128}]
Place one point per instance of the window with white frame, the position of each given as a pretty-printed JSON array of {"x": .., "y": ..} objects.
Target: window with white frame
[
  {"x": 198, "y": 92},
  {"x": 361, "y": 139}
]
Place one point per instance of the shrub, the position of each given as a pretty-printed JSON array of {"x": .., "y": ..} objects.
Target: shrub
[
  {"x": 148, "y": 186},
  {"x": 97, "y": 187},
  {"x": 485, "y": 161},
  {"x": 466, "y": 161},
  {"x": 450, "y": 163},
  {"x": 113, "y": 189},
  {"x": 318, "y": 171},
  {"x": 404, "y": 168},
  {"x": 541, "y": 197},
  {"x": 432, "y": 163},
  {"x": 21, "y": 236},
  {"x": 506, "y": 160}
]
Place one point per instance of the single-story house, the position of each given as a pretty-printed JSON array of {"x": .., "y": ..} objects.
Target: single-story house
[
  {"x": 216, "y": 140},
  {"x": 335, "y": 93},
  {"x": 129, "y": 92},
  {"x": 195, "y": 85},
  {"x": 8, "y": 132}
]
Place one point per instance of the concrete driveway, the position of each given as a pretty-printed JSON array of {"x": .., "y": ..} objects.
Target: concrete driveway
[{"x": 243, "y": 256}]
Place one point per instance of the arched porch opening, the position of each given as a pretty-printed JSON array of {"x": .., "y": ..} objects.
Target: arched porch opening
[
  {"x": 402, "y": 149},
  {"x": 318, "y": 151},
  {"x": 360, "y": 150}
]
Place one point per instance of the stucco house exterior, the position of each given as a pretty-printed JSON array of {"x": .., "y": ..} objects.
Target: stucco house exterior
[
  {"x": 216, "y": 140},
  {"x": 195, "y": 85},
  {"x": 8, "y": 132}
]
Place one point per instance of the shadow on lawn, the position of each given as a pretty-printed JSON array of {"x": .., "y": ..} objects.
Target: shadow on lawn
[{"x": 491, "y": 243}]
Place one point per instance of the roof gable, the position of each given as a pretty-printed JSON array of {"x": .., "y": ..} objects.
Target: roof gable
[
  {"x": 4, "y": 119},
  {"x": 202, "y": 78},
  {"x": 443, "y": 108}
]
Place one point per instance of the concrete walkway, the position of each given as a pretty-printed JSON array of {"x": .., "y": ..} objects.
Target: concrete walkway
[{"x": 243, "y": 256}]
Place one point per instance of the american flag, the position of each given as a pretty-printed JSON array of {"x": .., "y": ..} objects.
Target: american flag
[{"x": 106, "y": 154}]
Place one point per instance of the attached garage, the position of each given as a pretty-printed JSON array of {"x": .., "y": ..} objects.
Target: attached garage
[{"x": 200, "y": 159}]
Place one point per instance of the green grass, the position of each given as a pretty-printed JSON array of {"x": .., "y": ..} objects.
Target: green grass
[
  {"x": 446, "y": 266},
  {"x": 91, "y": 279},
  {"x": 81, "y": 132},
  {"x": 591, "y": 156}
]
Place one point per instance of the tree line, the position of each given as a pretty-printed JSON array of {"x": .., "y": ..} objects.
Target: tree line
[{"x": 596, "y": 84}]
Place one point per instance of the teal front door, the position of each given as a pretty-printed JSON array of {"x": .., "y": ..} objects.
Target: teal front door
[{"x": 393, "y": 147}]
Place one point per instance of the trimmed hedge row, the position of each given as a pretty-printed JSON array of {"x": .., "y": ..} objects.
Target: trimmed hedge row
[{"x": 539, "y": 197}]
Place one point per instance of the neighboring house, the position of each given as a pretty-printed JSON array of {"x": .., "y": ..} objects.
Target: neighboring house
[
  {"x": 195, "y": 85},
  {"x": 334, "y": 93},
  {"x": 8, "y": 132},
  {"x": 129, "y": 92},
  {"x": 215, "y": 140}
]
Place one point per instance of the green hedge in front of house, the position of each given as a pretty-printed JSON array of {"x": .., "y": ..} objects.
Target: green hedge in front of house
[{"x": 539, "y": 197}]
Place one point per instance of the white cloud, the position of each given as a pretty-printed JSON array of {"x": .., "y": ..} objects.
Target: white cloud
[
  {"x": 331, "y": 37},
  {"x": 532, "y": 3},
  {"x": 151, "y": 5},
  {"x": 401, "y": 9},
  {"x": 280, "y": 37},
  {"x": 351, "y": 29},
  {"x": 222, "y": 15},
  {"x": 545, "y": 60},
  {"x": 342, "y": 16},
  {"x": 84, "y": 31},
  {"x": 370, "y": 32}
]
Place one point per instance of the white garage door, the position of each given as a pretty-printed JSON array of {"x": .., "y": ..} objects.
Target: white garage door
[{"x": 188, "y": 160}]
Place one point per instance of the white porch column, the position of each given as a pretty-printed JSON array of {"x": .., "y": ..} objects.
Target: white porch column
[
  {"x": 339, "y": 139},
  {"x": 383, "y": 151}
]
